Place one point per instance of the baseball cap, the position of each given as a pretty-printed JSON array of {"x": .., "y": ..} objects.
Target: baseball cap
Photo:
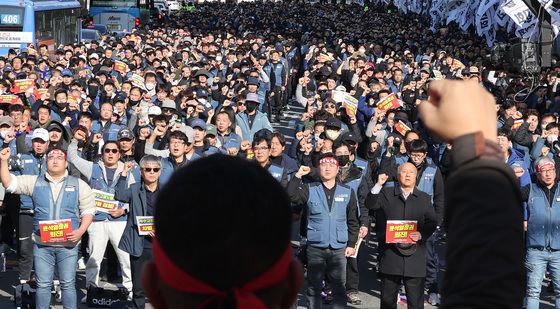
[
  {"x": 198, "y": 123},
  {"x": 252, "y": 97},
  {"x": 94, "y": 55},
  {"x": 125, "y": 134},
  {"x": 349, "y": 137},
  {"x": 168, "y": 103},
  {"x": 189, "y": 132},
  {"x": 40, "y": 133},
  {"x": 211, "y": 130},
  {"x": 154, "y": 110},
  {"x": 474, "y": 70},
  {"x": 201, "y": 93},
  {"x": 67, "y": 73},
  {"x": 252, "y": 81},
  {"x": 55, "y": 126},
  {"x": 6, "y": 120},
  {"x": 333, "y": 122}
]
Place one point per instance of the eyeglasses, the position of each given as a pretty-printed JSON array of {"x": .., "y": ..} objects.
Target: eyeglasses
[
  {"x": 151, "y": 169},
  {"x": 240, "y": 103},
  {"x": 167, "y": 110},
  {"x": 176, "y": 142},
  {"x": 330, "y": 106},
  {"x": 113, "y": 150},
  {"x": 550, "y": 171}
]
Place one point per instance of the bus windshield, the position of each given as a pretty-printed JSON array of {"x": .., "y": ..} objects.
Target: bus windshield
[{"x": 114, "y": 3}]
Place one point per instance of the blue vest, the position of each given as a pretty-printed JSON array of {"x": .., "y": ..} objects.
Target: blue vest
[
  {"x": 30, "y": 167},
  {"x": 354, "y": 185},
  {"x": 362, "y": 164},
  {"x": 327, "y": 228},
  {"x": 543, "y": 219},
  {"x": 64, "y": 206},
  {"x": 277, "y": 70},
  {"x": 97, "y": 182},
  {"x": 276, "y": 172},
  {"x": 426, "y": 181},
  {"x": 167, "y": 167}
]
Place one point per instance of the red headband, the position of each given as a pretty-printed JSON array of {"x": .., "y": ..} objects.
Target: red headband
[
  {"x": 328, "y": 160},
  {"x": 56, "y": 152},
  {"x": 245, "y": 298},
  {"x": 542, "y": 166}
]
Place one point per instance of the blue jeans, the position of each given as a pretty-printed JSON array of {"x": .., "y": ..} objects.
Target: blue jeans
[
  {"x": 536, "y": 263},
  {"x": 330, "y": 262},
  {"x": 64, "y": 259}
]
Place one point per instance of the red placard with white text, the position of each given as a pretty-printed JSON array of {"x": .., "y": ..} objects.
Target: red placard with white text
[
  {"x": 55, "y": 230},
  {"x": 398, "y": 231}
]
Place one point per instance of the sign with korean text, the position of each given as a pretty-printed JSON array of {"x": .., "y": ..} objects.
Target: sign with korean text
[
  {"x": 9, "y": 99},
  {"x": 145, "y": 225},
  {"x": 398, "y": 231},
  {"x": 104, "y": 201},
  {"x": 55, "y": 230},
  {"x": 350, "y": 103},
  {"x": 120, "y": 67},
  {"x": 401, "y": 127},
  {"x": 388, "y": 102},
  {"x": 22, "y": 85}
]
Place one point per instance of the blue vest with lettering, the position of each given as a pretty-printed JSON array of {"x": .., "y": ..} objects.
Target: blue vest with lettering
[
  {"x": 30, "y": 167},
  {"x": 543, "y": 219},
  {"x": 327, "y": 228},
  {"x": 426, "y": 181},
  {"x": 63, "y": 206},
  {"x": 97, "y": 182},
  {"x": 362, "y": 164},
  {"x": 276, "y": 172}
]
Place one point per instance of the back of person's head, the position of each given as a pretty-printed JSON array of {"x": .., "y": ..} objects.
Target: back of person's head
[{"x": 224, "y": 221}]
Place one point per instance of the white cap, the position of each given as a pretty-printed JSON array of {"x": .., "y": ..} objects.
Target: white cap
[
  {"x": 189, "y": 132},
  {"x": 94, "y": 55},
  {"x": 154, "y": 110},
  {"x": 41, "y": 134}
]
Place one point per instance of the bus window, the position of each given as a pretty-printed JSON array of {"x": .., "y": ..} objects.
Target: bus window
[{"x": 56, "y": 26}]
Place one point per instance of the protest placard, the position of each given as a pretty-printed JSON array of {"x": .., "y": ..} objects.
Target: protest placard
[
  {"x": 388, "y": 102},
  {"x": 145, "y": 224},
  {"x": 104, "y": 201},
  {"x": 55, "y": 230},
  {"x": 398, "y": 231}
]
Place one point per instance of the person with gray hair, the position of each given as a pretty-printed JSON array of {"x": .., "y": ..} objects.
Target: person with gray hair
[{"x": 138, "y": 233}]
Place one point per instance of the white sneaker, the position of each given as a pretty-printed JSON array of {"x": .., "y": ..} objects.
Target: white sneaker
[
  {"x": 433, "y": 299},
  {"x": 84, "y": 299},
  {"x": 81, "y": 264}
]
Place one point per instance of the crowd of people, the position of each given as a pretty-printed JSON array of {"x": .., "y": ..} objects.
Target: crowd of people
[{"x": 108, "y": 122}]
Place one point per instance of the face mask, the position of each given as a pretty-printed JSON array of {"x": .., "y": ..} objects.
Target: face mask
[
  {"x": 92, "y": 91},
  {"x": 332, "y": 134},
  {"x": 219, "y": 59},
  {"x": 61, "y": 105},
  {"x": 150, "y": 86},
  {"x": 552, "y": 138},
  {"x": 324, "y": 96},
  {"x": 251, "y": 107},
  {"x": 343, "y": 160}
]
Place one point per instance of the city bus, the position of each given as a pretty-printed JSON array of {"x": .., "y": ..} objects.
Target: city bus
[
  {"x": 117, "y": 15},
  {"x": 48, "y": 22}
]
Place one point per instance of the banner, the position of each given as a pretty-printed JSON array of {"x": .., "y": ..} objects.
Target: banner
[
  {"x": 145, "y": 225},
  {"x": 389, "y": 102},
  {"x": 22, "y": 85},
  {"x": 398, "y": 231},
  {"x": 55, "y": 230},
  {"x": 104, "y": 201}
]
